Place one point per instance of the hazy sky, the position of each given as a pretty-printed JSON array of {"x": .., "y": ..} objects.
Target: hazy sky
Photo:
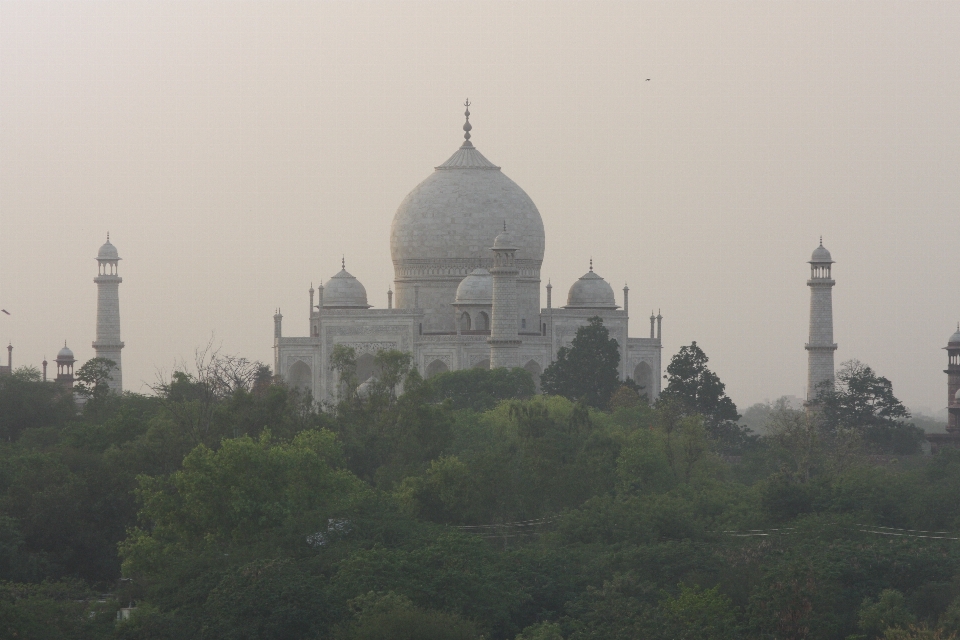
[{"x": 235, "y": 151}]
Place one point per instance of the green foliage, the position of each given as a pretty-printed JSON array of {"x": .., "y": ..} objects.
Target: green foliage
[
  {"x": 694, "y": 388},
  {"x": 862, "y": 403},
  {"x": 700, "y": 614},
  {"x": 392, "y": 367},
  {"x": 482, "y": 389},
  {"x": 888, "y": 612},
  {"x": 343, "y": 360},
  {"x": 385, "y": 440},
  {"x": 392, "y": 617},
  {"x": 271, "y": 598},
  {"x": 53, "y": 610},
  {"x": 248, "y": 496},
  {"x": 458, "y": 507},
  {"x": 587, "y": 370},
  {"x": 29, "y": 403},
  {"x": 93, "y": 378},
  {"x": 542, "y": 631}
]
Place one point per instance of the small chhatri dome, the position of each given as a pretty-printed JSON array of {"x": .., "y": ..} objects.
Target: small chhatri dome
[
  {"x": 820, "y": 254},
  {"x": 591, "y": 292},
  {"x": 108, "y": 251},
  {"x": 476, "y": 288},
  {"x": 343, "y": 291},
  {"x": 65, "y": 353},
  {"x": 955, "y": 338},
  {"x": 504, "y": 240}
]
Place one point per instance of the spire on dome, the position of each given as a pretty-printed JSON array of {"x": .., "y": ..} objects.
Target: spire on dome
[
  {"x": 343, "y": 262},
  {"x": 467, "y": 126},
  {"x": 591, "y": 264}
]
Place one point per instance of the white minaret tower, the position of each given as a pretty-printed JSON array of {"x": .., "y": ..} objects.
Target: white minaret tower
[
  {"x": 504, "y": 334},
  {"x": 108, "y": 344},
  {"x": 821, "y": 346}
]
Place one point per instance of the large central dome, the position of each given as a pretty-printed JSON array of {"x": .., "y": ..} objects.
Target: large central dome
[
  {"x": 445, "y": 228},
  {"x": 451, "y": 219}
]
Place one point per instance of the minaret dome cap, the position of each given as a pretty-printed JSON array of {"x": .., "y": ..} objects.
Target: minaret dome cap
[
  {"x": 821, "y": 255},
  {"x": 108, "y": 251},
  {"x": 64, "y": 353},
  {"x": 504, "y": 240},
  {"x": 955, "y": 338}
]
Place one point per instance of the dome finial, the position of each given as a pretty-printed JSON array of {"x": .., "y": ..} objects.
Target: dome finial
[
  {"x": 467, "y": 126},
  {"x": 591, "y": 263},
  {"x": 108, "y": 236},
  {"x": 343, "y": 261},
  {"x": 821, "y": 241},
  {"x": 504, "y": 225}
]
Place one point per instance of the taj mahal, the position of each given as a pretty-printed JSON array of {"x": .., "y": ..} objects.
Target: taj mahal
[{"x": 467, "y": 246}]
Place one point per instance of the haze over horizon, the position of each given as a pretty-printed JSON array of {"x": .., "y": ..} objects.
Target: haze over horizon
[{"x": 236, "y": 151}]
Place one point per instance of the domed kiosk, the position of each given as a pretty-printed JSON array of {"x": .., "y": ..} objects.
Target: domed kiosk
[
  {"x": 343, "y": 291},
  {"x": 591, "y": 292},
  {"x": 467, "y": 246}
]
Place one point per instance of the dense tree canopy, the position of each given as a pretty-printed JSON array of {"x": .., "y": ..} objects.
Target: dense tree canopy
[
  {"x": 862, "y": 404},
  {"x": 586, "y": 370},
  {"x": 482, "y": 389},
  {"x": 464, "y": 507}
]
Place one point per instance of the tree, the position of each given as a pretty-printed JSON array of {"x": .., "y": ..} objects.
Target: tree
[
  {"x": 482, "y": 389},
  {"x": 26, "y": 402},
  {"x": 394, "y": 617},
  {"x": 343, "y": 360},
  {"x": 93, "y": 378},
  {"x": 862, "y": 403},
  {"x": 889, "y": 611},
  {"x": 699, "y": 390},
  {"x": 392, "y": 367},
  {"x": 587, "y": 370},
  {"x": 700, "y": 614}
]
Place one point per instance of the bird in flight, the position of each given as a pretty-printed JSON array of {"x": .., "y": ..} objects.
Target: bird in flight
[{"x": 5, "y": 311}]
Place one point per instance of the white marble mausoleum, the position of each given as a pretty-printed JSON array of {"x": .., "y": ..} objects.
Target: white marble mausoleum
[{"x": 467, "y": 245}]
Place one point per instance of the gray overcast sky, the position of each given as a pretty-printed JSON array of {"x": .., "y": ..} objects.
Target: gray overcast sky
[{"x": 236, "y": 150}]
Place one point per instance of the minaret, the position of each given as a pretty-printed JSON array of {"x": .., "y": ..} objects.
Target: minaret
[
  {"x": 624, "y": 374},
  {"x": 504, "y": 336},
  {"x": 277, "y": 334},
  {"x": 108, "y": 344},
  {"x": 314, "y": 318},
  {"x": 821, "y": 346},
  {"x": 953, "y": 382}
]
